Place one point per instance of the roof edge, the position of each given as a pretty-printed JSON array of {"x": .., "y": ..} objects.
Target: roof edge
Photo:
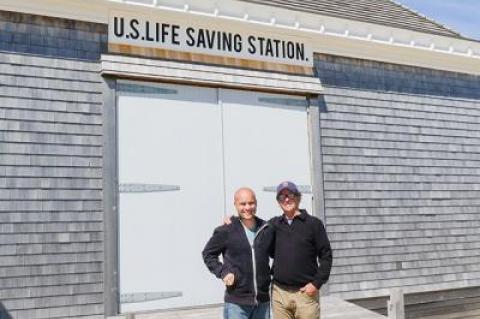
[
  {"x": 418, "y": 13},
  {"x": 329, "y": 35}
]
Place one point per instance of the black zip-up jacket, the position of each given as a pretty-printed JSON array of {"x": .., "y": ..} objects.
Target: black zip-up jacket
[{"x": 231, "y": 242}]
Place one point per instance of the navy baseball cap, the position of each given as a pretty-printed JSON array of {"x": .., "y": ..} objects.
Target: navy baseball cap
[{"x": 287, "y": 185}]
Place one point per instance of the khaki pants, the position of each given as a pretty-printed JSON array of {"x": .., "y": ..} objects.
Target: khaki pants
[{"x": 293, "y": 304}]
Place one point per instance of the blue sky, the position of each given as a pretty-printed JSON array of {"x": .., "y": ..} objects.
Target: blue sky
[{"x": 460, "y": 15}]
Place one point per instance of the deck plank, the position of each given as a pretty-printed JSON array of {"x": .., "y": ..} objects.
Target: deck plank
[{"x": 331, "y": 308}]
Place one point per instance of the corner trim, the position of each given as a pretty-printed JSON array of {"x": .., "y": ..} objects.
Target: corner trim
[
  {"x": 314, "y": 110},
  {"x": 110, "y": 200}
]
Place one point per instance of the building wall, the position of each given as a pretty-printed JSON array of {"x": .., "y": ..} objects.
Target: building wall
[
  {"x": 401, "y": 175},
  {"x": 51, "y": 229},
  {"x": 400, "y": 152}
]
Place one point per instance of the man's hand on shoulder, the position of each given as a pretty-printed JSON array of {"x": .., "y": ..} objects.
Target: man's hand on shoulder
[{"x": 227, "y": 220}]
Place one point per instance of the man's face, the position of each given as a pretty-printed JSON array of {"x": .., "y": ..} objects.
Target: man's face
[
  {"x": 288, "y": 201},
  {"x": 246, "y": 204}
]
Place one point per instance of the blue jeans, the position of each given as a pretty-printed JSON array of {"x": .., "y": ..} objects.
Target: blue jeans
[{"x": 234, "y": 311}]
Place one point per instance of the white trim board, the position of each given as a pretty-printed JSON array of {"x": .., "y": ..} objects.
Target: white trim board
[{"x": 182, "y": 72}]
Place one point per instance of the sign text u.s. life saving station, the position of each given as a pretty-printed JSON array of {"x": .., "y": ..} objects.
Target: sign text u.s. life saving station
[{"x": 158, "y": 33}]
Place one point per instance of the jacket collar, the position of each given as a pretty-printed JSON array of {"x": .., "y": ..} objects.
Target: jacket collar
[
  {"x": 259, "y": 221},
  {"x": 302, "y": 216}
]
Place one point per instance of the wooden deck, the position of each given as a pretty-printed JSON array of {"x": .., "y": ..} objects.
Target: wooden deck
[{"x": 332, "y": 308}]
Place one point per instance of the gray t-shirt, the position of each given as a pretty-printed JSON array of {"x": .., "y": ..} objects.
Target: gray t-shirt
[{"x": 250, "y": 233}]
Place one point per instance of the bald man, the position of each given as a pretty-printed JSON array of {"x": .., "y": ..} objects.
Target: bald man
[{"x": 245, "y": 245}]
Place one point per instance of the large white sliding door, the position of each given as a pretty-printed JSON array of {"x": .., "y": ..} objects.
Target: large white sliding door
[
  {"x": 171, "y": 193},
  {"x": 183, "y": 151},
  {"x": 265, "y": 142}
]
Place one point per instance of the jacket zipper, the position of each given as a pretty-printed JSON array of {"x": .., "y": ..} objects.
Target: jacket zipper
[{"x": 255, "y": 287}]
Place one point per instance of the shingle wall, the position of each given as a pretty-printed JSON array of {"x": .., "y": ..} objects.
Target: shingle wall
[
  {"x": 401, "y": 162},
  {"x": 51, "y": 238},
  {"x": 51, "y": 36}
]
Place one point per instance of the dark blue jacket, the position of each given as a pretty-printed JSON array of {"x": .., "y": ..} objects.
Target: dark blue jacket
[{"x": 231, "y": 242}]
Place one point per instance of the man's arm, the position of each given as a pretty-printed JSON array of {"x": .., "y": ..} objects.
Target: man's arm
[
  {"x": 324, "y": 253},
  {"x": 273, "y": 238},
  {"x": 214, "y": 247}
]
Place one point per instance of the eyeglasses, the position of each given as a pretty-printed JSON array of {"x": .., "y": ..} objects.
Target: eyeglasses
[{"x": 283, "y": 197}]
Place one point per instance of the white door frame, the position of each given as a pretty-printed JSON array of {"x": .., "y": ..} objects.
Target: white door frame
[{"x": 117, "y": 67}]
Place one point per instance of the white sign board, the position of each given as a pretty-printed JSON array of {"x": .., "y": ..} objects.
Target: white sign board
[{"x": 173, "y": 34}]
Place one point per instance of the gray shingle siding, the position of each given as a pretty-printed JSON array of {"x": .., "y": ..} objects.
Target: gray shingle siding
[
  {"x": 455, "y": 89},
  {"x": 51, "y": 36},
  {"x": 51, "y": 220},
  {"x": 401, "y": 169}
]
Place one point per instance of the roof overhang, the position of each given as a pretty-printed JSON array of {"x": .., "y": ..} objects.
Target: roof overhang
[{"x": 327, "y": 35}]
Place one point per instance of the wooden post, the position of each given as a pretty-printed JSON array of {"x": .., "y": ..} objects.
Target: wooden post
[
  {"x": 396, "y": 304},
  {"x": 130, "y": 315}
]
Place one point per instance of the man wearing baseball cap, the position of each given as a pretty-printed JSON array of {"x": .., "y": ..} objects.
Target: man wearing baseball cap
[{"x": 302, "y": 259}]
